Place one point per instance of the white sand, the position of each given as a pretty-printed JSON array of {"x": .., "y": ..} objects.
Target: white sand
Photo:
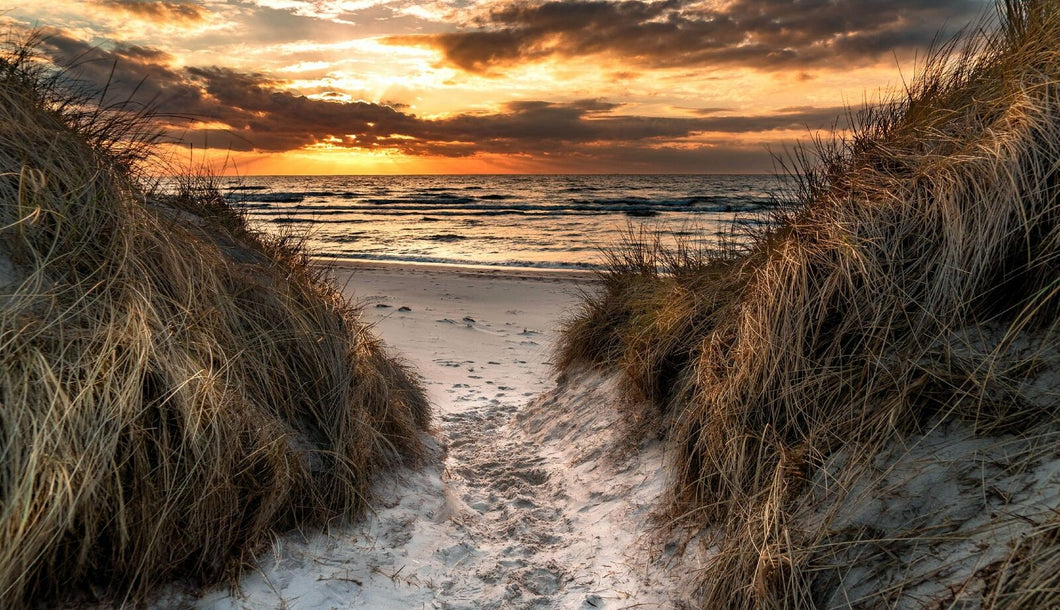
[{"x": 537, "y": 502}]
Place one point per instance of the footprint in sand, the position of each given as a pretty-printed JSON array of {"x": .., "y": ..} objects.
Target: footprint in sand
[{"x": 510, "y": 486}]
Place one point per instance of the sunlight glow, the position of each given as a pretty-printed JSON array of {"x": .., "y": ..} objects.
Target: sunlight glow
[{"x": 459, "y": 82}]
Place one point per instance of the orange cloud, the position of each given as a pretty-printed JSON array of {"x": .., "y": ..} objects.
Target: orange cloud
[
  {"x": 249, "y": 114},
  {"x": 762, "y": 34},
  {"x": 158, "y": 10}
]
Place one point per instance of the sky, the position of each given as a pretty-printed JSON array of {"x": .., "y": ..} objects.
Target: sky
[{"x": 490, "y": 86}]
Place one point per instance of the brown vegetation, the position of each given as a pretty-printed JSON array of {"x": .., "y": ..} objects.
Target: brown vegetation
[
  {"x": 913, "y": 281},
  {"x": 173, "y": 386}
]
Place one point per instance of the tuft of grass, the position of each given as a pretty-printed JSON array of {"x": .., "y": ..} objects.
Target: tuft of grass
[
  {"x": 914, "y": 279},
  {"x": 173, "y": 386},
  {"x": 655, "y": 300}
]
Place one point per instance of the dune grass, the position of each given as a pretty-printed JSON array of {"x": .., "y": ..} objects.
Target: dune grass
[
  {"x": 174, "y": 387},
  {"x": 913, "y": 279},
  {"x": 655, "y": 299}
]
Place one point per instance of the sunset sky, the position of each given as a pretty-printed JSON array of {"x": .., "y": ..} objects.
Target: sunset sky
[{"x": 473, "y": 86}]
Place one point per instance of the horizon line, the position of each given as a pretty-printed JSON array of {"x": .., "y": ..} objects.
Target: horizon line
[{"x": 487, "y": 174}]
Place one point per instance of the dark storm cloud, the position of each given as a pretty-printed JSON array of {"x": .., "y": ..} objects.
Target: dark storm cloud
[
  {"x": 806, "y": 117},
  {"x": 764, "y": 34},
  {"x": 133, "y": 75},
  {"x": 260, "y": 115},
  {"x": 157, "y": 10}
]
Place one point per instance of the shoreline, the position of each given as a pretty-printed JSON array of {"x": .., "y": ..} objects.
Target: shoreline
[{"x": 468, "y": 270}]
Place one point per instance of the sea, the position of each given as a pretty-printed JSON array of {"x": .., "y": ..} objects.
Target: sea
[{"x": 553, "y": 222}]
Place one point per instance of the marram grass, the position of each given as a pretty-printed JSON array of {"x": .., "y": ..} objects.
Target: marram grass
[
  {"x": 173, "y": 387},
  {"x": 914, "y": 280}
]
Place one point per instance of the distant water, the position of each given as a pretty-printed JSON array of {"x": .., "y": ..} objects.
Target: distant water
[{"x": 521, "y": 221}]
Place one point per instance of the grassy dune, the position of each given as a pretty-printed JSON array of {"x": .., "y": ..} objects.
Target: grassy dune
[
  {"x": 911, "y": 290},
  {"x": 173, "y": 386}
]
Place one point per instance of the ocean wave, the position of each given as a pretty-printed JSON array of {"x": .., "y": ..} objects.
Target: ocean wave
[
  {"x": 630, "y": 200},
  {"x": 420, "y": 200},
  {"x": 492, "y": 204},
  {"x": 708, "y": 203},
  {"x": 242, "y": 197},
  {"x": 461, "y": 262},
  {"x": 486, "y": 209},
  {"x": 446, "y": 237}
]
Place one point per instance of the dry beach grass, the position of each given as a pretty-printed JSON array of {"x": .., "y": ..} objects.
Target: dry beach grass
[
  {"x": 910, "y": 291},
  {"x": 173, "y": 386}
]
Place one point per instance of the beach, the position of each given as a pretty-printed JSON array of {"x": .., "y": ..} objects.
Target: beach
[
  {"x": 533, "y": 305},
  {"x": 533, "y": 498},
  {"x": 475, "y": 335}
]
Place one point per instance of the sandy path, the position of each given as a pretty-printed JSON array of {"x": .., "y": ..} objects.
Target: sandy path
[{"x": 528, "y": 508}]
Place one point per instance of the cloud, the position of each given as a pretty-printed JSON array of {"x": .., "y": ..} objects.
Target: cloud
[
  {"x": 763, "y": 34},
  {"x": 158, "y": 10},
  {"x": 257, "y": 26},
  {"x": 789, "y": 119},
  {"x": 131, "y": 76},
  {"x": 262, "y": 115}
]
